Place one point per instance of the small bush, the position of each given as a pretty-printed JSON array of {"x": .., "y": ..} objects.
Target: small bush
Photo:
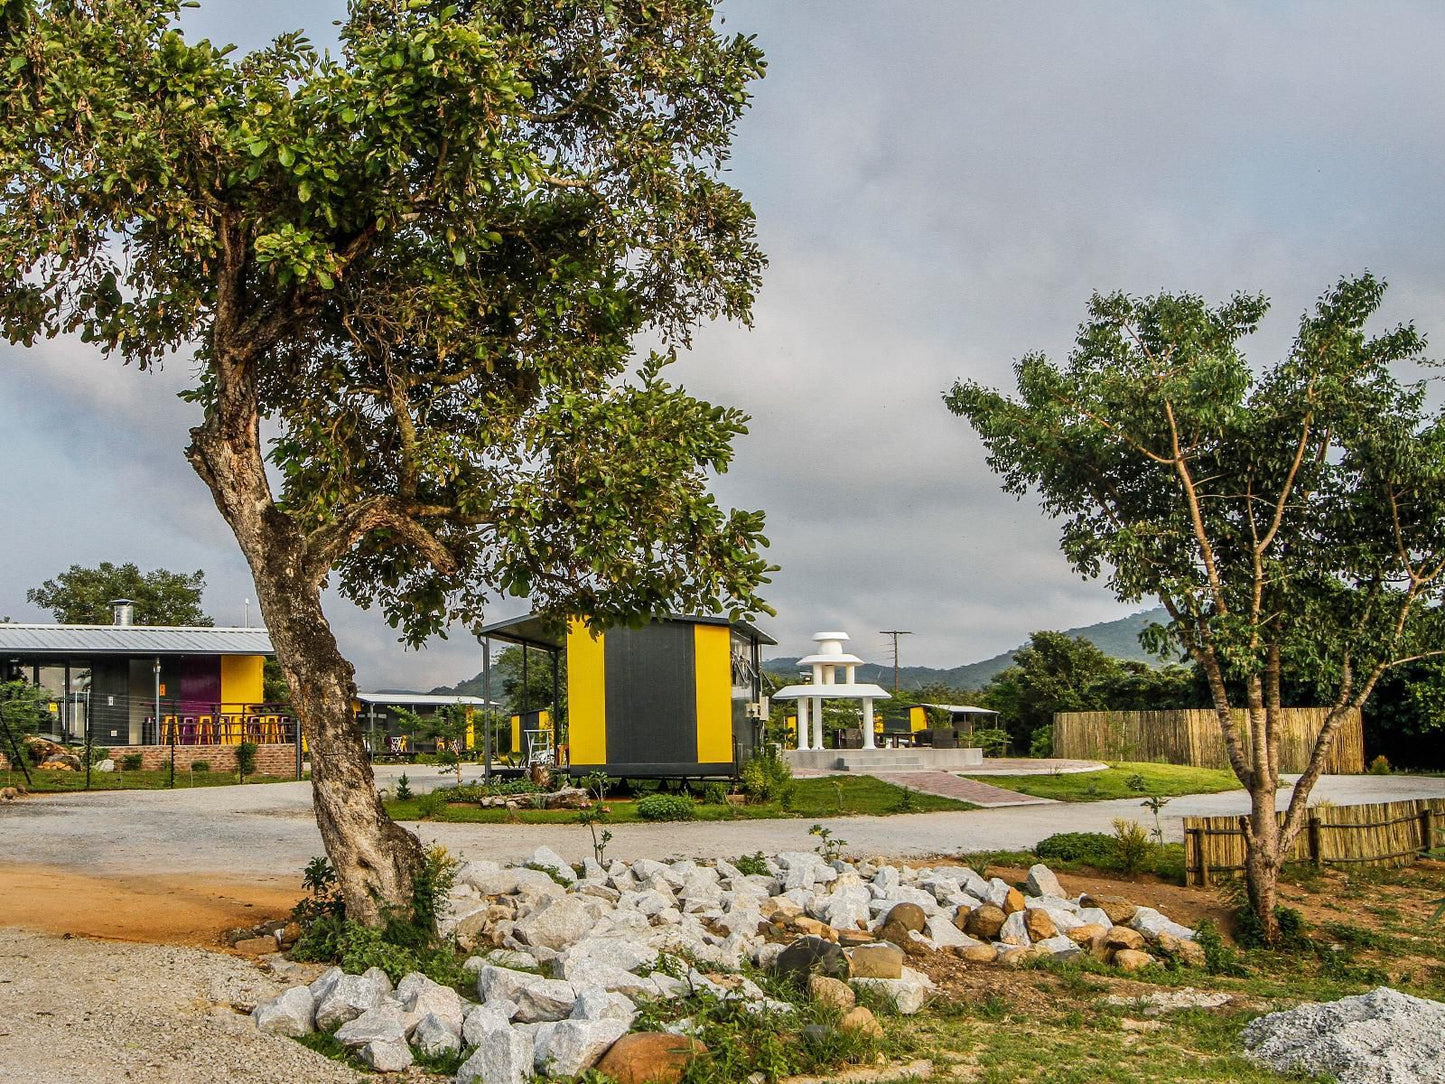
[
  {"x": 403, "y": 788},
  {"x": 99, "y": 753},
  {"x": 666, "y": 807},
  {"x": 1131, "y": 843},
  {"x": 1379, "y": 766},
  {"x": 1219, "y": 957},
  {"x": 246, "y": 758},
  {"x": 1041, "y": 744},
  {"x": 715, "y": 793},
  {"x": 1249, "y": 931},
  {"x": 1091, "y": 848},
  {"x": 765, "y": 778},
  {"x": 131, "y": 762},
  {"x": 750, "y": 865},
  {"x": 200, "y": 765},
  {"x": 431, "y": 804}
]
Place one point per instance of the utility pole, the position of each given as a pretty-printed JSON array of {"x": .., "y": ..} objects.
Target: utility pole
[{"x": 895, "y": 633}]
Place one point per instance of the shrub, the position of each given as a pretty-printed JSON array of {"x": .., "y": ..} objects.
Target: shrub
[
  {"x": 666, "y": 807},
  {"x": 403, "y": 788},
  {"x": 1092, "y": 848},
  {"x": 1379, "y": 766},
  {"x": 991, "y": 740},
  {"x": 200, "y": 765},
  {"x": 1042, "y": 742},
  {"x": 99, "y": 753},
  {"x": 246, "y": 758},
  {"x": 431, "y": 804},
  {"x": 131, "y": 762},
  {"x": 715, "y": 794},
  {"x": 765, "y": 778},
  {"x": 750, "y": 865},
  {"x": 1131, "y": 843},
  {"x": 1249, "y": 931}
]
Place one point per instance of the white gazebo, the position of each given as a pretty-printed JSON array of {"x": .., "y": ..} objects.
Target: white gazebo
[{"x": 826, "y": 662}]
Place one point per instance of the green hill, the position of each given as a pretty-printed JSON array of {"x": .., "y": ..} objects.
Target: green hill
[{"x": 1117, "y": 638}]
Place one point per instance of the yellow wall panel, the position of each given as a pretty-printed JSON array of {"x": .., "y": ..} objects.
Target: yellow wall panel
[
  {"x": 586, "y": 695},
  {"x": 712, "y": 660},
  {"x": 917, "y": 718},
  {"x": 242, "y": 679}
]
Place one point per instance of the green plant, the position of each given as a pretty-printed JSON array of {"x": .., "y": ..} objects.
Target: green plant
[
  {"x": 1131, "y": 844},
  {"x": 323, "y": 897},
  {"x": 715, "y": 793},
  {"x": 131, "y": 762},
  {"x": 592, "y": 818},
  {"x": 752, "y": 865},
  {"x": 829, "y": 847},
  {"x": 1379, "y": 766},
  {"x": 98, "y": 753},
  {"x": 1091, "y": 848},
  {"x": 787, "y": 796},
  {"x": 1250, "y": 932},
  {"x": 905, "y": 803},
  {"x": 432, "y": 804},
  {"x": 403, "y": 788},
  {"x": 246, "y": 758},
  {"x": 991, "y": 740},
  {"x": 666, "y": 807},
  {"x": 764, "y": 778},
  {"x": 1041, "y": 743},
  {"x": 1155, "y": 803},
  {"x": 598, "y": 784},
  {"x": 200, "y": 765},
  {"x": 1136, "y": 783}
]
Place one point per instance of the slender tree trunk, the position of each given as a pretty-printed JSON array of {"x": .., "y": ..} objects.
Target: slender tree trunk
[
  {"x": 376, "y": 860},
  {"x": 1262, "y": 858}
]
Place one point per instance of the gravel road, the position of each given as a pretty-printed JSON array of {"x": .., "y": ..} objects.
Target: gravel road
[
  {"x": 267, "y": 829},
  {"x": 75, "y": 1011}
]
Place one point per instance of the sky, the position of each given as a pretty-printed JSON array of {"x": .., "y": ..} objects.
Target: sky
[{"x": 939, "y": 187}]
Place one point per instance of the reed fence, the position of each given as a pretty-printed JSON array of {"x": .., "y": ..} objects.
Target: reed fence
[
  {"x": 1379, "y": 833},
  {"x": 1193, "y": 737}
]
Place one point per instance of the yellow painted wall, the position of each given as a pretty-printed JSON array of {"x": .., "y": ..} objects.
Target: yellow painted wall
[
  {"x": 712, "y": 663},
  {"x": 586, "y": 695},
  {"x": 242, "y": 679},
  {"x": 517, "y": 735},
  {"x": 917, "y": 719}
]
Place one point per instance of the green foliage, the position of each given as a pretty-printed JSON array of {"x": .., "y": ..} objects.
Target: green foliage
[
  {"x": 715, "y": 793},
  {"x": 666, "y": 807},
  {"x": 98, "y": 753},
  {"x": 1093, "y": 848},
  {"x": 1219, "y": 957},
  {"x": 1131, "y": 844},
  {"x": 830, "y": 847},
  {"x": 598, "y": 784},
  {"x": 1250, "y": 932},
  {"x": 1379, "y": 766},
  {"x": 1041, "y": 742},
  {"x": 131, "y": 762},
  {"x": 200, "y": 765},
  {"x": 994, "y": 741},
  {"x": 82, "y": 596},
  {"x": 24, "y": 708},
  {"x": 246, "y": 758},
  {"x": 592, "y": 818},
  {"x": 403, "y": 787},
  {"x": 765, "y": 778},
  {"x": 431, "y": 804},
  {"x": 323, "y": 894},
  {"x": 752, "y": 865},
  {"x": 448, "y": 726}
]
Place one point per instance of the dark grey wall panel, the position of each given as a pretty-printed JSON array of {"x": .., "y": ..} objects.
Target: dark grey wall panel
[{"x": 651, "y": 695}]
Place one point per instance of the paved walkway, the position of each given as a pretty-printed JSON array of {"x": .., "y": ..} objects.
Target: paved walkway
[{"x": 948, "y": 785}]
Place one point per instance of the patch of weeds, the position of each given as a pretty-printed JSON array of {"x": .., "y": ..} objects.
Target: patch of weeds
[
  {"x": 752, "y": 865},
  {"x": 328, "y": 1046},
  {"x": 430, "y": 805},
  {"x": 830, "y": 849},
  {"x": 1220, "y": 958},
  {"x": 555, "y": 874},
  {"x": 445, "y": 1063},
  {"x": 1356, "y": 936},
  {"x": 992, "y": 1006}
]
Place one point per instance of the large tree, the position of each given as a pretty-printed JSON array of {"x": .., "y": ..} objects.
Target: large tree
[
  {"x": 82, "y": 596},
  {"x": 423, "y": 263},
  {"x": 1295, "y": 513}
]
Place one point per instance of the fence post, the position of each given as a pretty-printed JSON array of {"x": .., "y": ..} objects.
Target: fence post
[
  {"x": 296, "y": 725},
  {"x": 1202, "y": 867},
  {"x": 1314, "y": 838},
  {"x": 1427, "y": 826}
]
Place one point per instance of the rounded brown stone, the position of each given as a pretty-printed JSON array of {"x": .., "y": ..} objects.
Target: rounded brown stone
[
  {"x": 985, "y": 921},
  {"x": 1084, "y": 935},
  {"x": 1132, "y": 960},
  {"x": 977, "y": 954},
  {"x": 1039, "y": 925},
  {"x": 1117, "y": 908},
  {"x": 861, "y": 1020},
  {"x": 649, "y": 1057},
  {"x": 908, "y": 915},
  {"x": 1014, "y": 901},
  {"x": 832, "y": 992},
  {"x": 1122, "y": 937}
]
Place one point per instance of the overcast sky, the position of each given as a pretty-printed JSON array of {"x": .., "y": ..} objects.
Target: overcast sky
[{"x": 939, "y": 187}]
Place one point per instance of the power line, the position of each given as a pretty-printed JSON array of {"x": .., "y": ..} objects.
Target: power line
[{"x": 895, "y": 633}]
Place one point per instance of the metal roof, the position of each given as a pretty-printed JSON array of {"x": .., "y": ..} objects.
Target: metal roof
[
  {"x": 960, "y": 709},
  {"x": 536, "y": 631},
  {"x": 424, "y": 700},
  {"x": 132, "y": 640}
]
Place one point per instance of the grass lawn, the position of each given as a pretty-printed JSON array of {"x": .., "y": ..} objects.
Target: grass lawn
[
  {"x": 63, "y": 782},
  {"x": 1166, "y": 780},
  {"x": 811, "y": 798}
]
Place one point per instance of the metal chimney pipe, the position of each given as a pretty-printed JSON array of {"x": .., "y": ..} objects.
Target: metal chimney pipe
[{"x": 124, "y": 610}]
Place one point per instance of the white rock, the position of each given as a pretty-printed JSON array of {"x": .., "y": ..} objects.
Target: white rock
[
  {"x": 1042, "y": 882},
  {"x": 382, "y": 1024},
  {"x": 847, "y": 908},
  {"x": 595, "y": 1003},
  {"x": 346, "y": 999},
  {"x": 484, "y": 1019},
  {"x": 106, "y": 765},
  {"x": 996, "y": 891},
  {"x": 421, "y": 996},
  {"x": 325, "y": 982},
  {"x": 503, "y": 1056},
  {"x": 558, "y": 923},
  {"x": 1151, "y": 924},
  {"x": 592, "y": 870},
  {"x": 548, "y": 859},
  {"x": 1062, "y": 918},
  {"x": 573, "y": 1046},
  {"x": 509, "y": 882},
  {"x": 387, "y": 1055},
  {"x": 291, "y": 1013},
  {"x": 549, "y": 999},
  {"x": 943, "y": 933},
  {"x": 380, "y": 978},
  {"x": 612, "y": 951},
  {"x": 907, "y": 993},
  {"x": 1014, "y": 930},
  {"x": 434, "y": 1036},
  {"x": 1095, "y": 916},
  {"x": 1060, "y": 947}
]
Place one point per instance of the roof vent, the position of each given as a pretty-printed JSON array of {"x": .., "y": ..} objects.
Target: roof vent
[{"x": 124, "y": 610}]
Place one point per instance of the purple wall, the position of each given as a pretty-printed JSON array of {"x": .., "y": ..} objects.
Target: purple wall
[{"x": 200, "y": 684}]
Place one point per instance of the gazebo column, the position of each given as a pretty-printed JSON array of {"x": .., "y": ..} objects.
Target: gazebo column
[
  {"x": 802, "y": 704},
  {"x": 868, "y": 723},
  {"x": 817, "y": 722}
]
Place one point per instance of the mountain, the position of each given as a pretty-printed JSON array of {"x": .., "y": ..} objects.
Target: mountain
[{"x": 1117, "y": 638}]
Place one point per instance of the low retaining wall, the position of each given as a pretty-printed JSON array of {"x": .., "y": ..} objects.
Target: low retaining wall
[
  {"x": 270, "y": 759},
  {"x": 902, "y": 760}
]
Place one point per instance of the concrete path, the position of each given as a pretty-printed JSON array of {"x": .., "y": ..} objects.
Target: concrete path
[
  {"x": 266, "y": 830},
  {"x": 948, "y": 785}
]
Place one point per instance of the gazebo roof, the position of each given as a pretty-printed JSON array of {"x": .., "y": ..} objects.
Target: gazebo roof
[
  {"x": 856, "y": 691},
  {"x": 831, "y": 660}
]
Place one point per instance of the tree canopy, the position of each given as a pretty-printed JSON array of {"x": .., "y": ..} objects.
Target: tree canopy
[
  {"x": 1290, "y": 517},
  {"x": 82, "y": 596}
]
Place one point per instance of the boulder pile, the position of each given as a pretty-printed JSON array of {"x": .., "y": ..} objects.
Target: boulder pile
[{"x": 563, "y": 955}]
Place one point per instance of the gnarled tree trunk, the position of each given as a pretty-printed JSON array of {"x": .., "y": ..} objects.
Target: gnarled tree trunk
[{"x": 375, "y": 859}]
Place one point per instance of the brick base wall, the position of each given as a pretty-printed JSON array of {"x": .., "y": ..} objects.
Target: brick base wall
[{"x": 270, "y": 759}]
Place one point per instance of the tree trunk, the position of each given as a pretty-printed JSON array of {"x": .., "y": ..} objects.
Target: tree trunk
[
  {"x": 1262, "y": 859},
  {"x": 376, "y": 860}
]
